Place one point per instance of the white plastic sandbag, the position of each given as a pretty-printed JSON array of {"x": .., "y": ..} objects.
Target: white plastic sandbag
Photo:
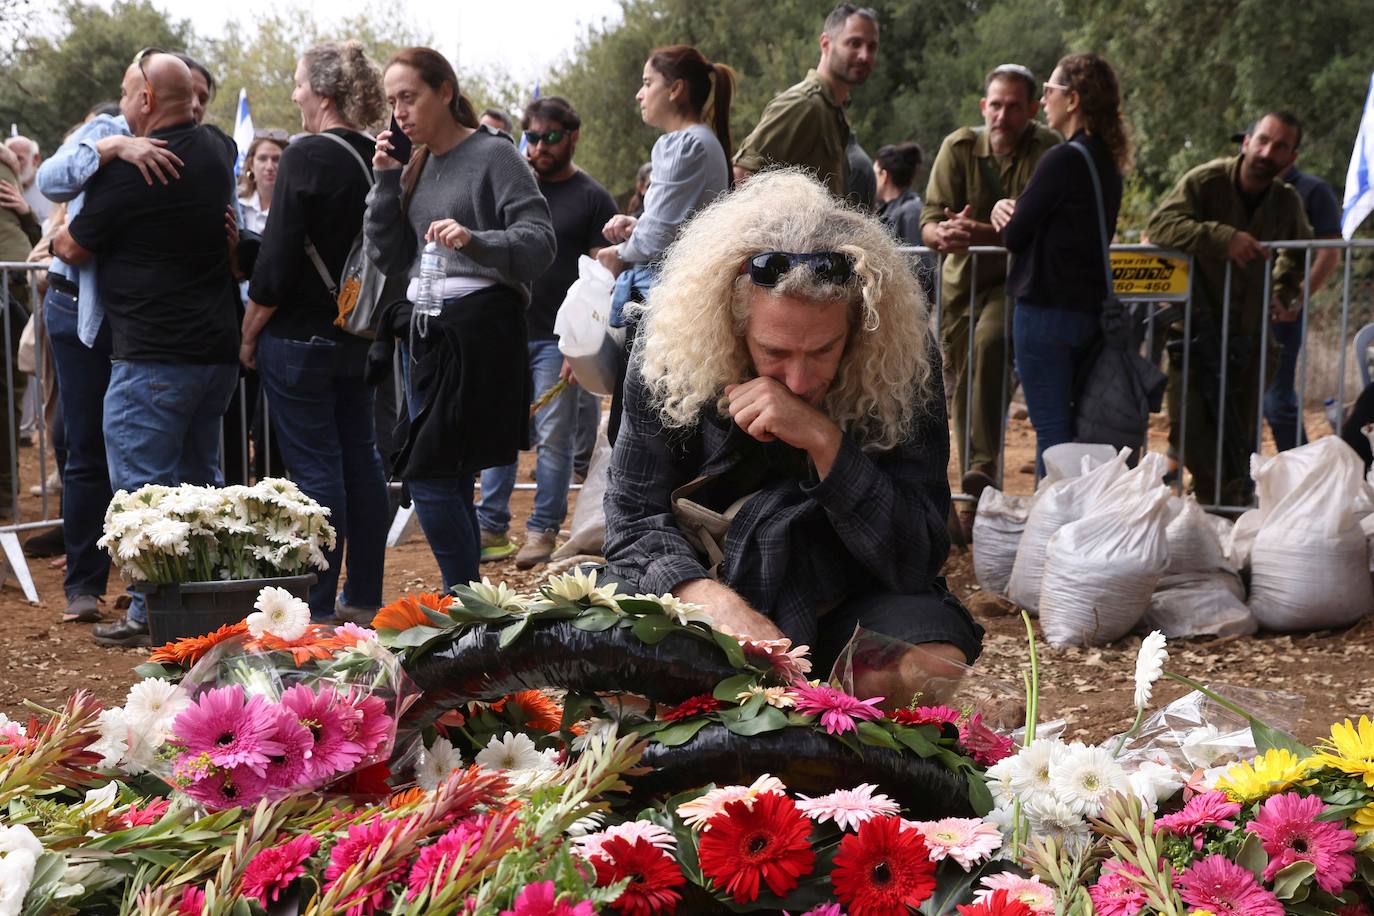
[
  {"x": 1101, "y": 570},
  {"x": 1200, "y": 593},
  {"x": 1309, "y": 567},
  {"x": 1062, "y": 502},
  {"x": 585, "y": 336},
  {"x": 996, "y": 534},
  {"x": 1065, "y": 460}
]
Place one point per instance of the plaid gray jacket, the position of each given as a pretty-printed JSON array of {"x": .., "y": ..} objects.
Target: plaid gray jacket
[{"x": 875, "y": 523}]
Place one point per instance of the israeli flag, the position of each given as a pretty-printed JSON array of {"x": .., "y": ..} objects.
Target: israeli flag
[
  {"x": 524, "y": 144},
  {"x": 243, "y": 130},
  {"x": 1359, "y": 181}
]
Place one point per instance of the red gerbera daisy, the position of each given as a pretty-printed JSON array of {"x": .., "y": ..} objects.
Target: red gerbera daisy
[
  {"x": 997, "y": 904},
  {"x": 698, "y": 705},
  {"x": 768, "y": 840},
  {"x": 883, "y": 869},
  {"x": 652, "y": 872}
]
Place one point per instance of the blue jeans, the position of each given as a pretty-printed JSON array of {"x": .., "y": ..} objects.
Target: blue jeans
[
  {"x": 321, "y": 413},
  {"x": 555, "y": 426},
  {"x": 444, "y": 505},
  {"x": 83, "y": 374},
  {"x": 1050, "y": 345},
  {"x": 1281, "y": 398},
  {"x": 162, "y": 425}
]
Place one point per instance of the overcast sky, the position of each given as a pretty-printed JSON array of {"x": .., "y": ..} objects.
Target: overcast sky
[{"x": 524, "y": 37}]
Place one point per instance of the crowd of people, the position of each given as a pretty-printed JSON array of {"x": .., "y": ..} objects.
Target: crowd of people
[{"x": 780, "y": 428}]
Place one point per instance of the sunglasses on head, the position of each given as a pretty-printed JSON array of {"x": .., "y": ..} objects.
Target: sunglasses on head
[
  {"x": 548, "y": 137},
  {"x": 767, "y": 268}
]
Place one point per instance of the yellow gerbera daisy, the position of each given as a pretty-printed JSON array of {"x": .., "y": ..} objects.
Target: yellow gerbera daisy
[
  {"x": 1362, "y": 821},
  {"x": 1350, "y": 750},
  {"x": 1277, "y": 769}
]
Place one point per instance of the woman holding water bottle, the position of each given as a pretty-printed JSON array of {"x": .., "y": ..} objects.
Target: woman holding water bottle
[{"x": 465, "y": 219}]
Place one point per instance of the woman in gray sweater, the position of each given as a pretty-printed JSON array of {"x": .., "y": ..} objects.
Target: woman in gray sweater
[{"x": 467, "y": 188}]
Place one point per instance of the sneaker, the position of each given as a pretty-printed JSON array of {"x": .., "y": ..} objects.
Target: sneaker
[
  {"x": 537, "y": 549},
  {"x": 54, "y": 485},
  {"x": 496, "y": 546},
  {"x": 123, "y": 632}
]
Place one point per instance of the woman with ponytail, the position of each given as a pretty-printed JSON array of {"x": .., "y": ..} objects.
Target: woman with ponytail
[
  {"x": 467, "y": 188},
  {"x": 688, "y": 98},
  {"x": 1054, "y": 232}
]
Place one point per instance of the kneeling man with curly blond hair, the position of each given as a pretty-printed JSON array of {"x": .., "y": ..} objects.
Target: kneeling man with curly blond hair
[{"x": 782, "y": 455}]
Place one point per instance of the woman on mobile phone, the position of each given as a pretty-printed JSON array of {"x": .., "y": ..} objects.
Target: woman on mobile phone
[
  {"x": 690, "y": 165},
  {"x": 312, "y": 371},
  {"x": 1057, "y": 274},
  {"x": 467, "y": 188}
]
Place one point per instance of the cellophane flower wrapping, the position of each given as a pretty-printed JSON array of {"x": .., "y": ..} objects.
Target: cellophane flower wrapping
[{"x": 264, "y": 717}]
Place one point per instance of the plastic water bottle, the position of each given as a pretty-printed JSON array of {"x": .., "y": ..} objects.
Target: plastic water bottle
[
  {"x": 1334, "y": 414},
  {"x": 429, "y": 298}
]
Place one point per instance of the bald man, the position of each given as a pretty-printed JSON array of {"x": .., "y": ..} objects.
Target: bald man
[
  {"x": 28, "y": 156},
  {"x": 170, "y": 299}
]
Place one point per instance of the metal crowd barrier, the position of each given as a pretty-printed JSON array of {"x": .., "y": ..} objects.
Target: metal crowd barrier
[
  {"x": 49, "y": 508},
  {"x": 1149, "y": 300}
]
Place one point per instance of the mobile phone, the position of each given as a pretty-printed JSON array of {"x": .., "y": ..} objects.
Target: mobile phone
[{"x": 400, "y": 143}]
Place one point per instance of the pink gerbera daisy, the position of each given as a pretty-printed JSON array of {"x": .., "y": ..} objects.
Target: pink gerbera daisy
[
  {"x": 332, "y": 723},
  {"x": 440, "y": 856},
  {"x": 287, "y": 770},
  {"x": 966, "y": 840},
  {"x": 848, "y": 808},
  {"x": 228, "y": 730},
  {"x": 1290, "y": 831},
  {"x": 191, "y": 902},
  {"x": 984, "y": 745},
  {"x": 837, "y": 709},
  {"x": 361, "y": 845},
  {"x": 273, "y": 869},
  {"x": 1036, "y": 895},
  {"x": 787, "y": 662},
  {"x": 541, "y": 899},
  {"x": 1115, "y": 894},
  {"x": 372, "y": 728},
  {"x": 1222, "y": 887},
  {"x": 218, "y": 789},
  {"x": 590, "y": 845},
  {"x": 1211, "y": 809},
  {"x": 927, "y": 715}
]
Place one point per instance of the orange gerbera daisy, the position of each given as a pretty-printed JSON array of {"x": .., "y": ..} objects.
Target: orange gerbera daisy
[
  {"x": 316, "y": 643},
  {"x": 188, "y": 650},
  {"x": 538, "y": 710},
  {"x": 409, "y": 611}
]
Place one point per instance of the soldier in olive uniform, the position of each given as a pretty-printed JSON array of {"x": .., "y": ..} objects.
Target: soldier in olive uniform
[
  {"x": 805, "y": 125},
  {"x": 1223, "y": 210},
  {"x": 975, "y": 168}
]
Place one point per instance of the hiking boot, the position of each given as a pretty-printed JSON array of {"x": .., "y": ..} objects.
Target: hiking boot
[
  {"x": 537, "y": 549},
  {"x": 977, "y": 479},
  {"x": 496, "y": 546}
]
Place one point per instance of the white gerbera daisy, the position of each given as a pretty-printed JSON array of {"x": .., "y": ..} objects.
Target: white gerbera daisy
[
  {"x": 1149, "y": 665},
  {"x": 502, "y": 595},
  {"x": 998, "y": 778},
  {"x": 113, "y": 742},
  {"x": 579, "y": 586},
  {"x": 682, "y": 611},
  {"x": 1155, "y": 782},
  {"x": 1086, "y": 777},
  {"x": 169, "y": 535},
  {"x": 1029, "y": 772},
  {"x": 436, "y": 763},
  {"x": 1050, "y": 817},
  {"x": 512, "y": 751},
  {"x": 152, "y": 707},
  {"x": 280, "y": 613}
]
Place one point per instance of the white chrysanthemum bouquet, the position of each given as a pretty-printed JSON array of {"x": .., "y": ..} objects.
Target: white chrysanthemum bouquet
[{"x": 196, "y": 534}]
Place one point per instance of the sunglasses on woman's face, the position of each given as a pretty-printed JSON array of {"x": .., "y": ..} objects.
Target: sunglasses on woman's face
[
  {"x": 548, "y": 137},
  {"x": 767, "y": 268}
]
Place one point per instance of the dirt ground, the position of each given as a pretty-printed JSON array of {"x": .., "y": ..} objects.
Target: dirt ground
[{"x": 1330, "y": 673}]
